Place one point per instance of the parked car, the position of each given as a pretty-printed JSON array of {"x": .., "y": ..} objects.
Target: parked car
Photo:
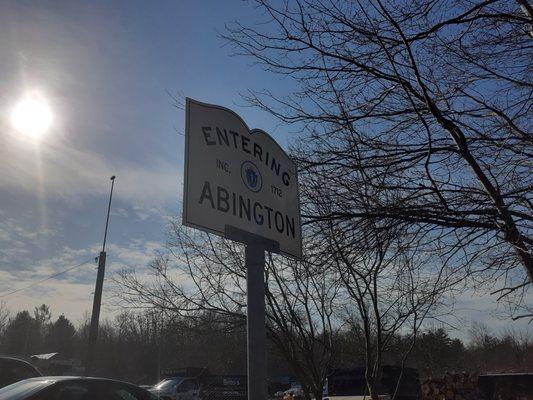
[
  {"x": 293, "y": 394},
  {"x": 13, "y": 370},
  {"x": 73, "y": 388},
  {"x": 167, "y": 388},
  {"x": 202, "y": 387}
]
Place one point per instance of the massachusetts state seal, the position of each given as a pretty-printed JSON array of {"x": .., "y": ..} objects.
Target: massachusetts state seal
[{"x": 251, "y": 176}]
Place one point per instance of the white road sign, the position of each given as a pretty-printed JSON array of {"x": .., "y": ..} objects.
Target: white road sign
[{"x": 238, "y": 177}]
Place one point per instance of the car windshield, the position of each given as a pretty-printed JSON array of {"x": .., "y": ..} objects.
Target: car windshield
[
  {"x": 167, "y": 383},
  {"x": 23, "y": 388}
]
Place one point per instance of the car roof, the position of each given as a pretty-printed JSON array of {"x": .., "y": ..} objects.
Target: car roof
[
  {"x": 66, "y": 378},
  {"x": 15, "y": 359},
  {"x": 21, "y": 361}
]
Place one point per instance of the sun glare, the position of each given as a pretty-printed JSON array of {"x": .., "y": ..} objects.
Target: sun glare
[{"x": 32, "y": 116}]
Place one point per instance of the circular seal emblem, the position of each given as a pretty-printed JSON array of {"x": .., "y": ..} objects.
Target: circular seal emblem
[{"x": 251, "y": 176}]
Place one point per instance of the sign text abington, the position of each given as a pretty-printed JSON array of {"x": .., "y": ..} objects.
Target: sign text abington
[{"x": 240, "y": 178}]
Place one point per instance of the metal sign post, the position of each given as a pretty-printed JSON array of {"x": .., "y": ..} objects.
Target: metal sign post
[
  {"x": 241, "y": 185},
  {"x": 256, "y": 322},
  {"x": 255, "y": 304}
]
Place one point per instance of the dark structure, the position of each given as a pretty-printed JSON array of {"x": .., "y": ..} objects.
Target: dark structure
[
  {"x": 351, "y": 382},
  {"x": 506, "y": 386}
]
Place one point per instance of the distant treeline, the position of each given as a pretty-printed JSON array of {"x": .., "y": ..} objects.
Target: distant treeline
[{"x": 134, "y": 346}]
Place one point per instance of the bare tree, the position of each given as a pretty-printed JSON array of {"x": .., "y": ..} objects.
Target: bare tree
[
  {"x": 377, "y": 279},
  {"x": 389, "y": 289},
  {"x": 301, "y": 302},
  {"x": 425, "y": 102},
  {"x": 202, "y": 275},
  {"x": 511, "y": 350},
  {"x": 4, "y": 316}
]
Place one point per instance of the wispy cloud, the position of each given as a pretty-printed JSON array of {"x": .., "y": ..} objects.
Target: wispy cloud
[
  {"x": 476, "y": 306},
  {"x": 16, "y": 240},
  {"x": 71, "y": 293},
  {"x": 57, "y": 170}
]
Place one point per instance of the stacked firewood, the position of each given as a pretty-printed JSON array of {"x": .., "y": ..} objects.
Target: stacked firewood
[{"x": 451, "y": 387}]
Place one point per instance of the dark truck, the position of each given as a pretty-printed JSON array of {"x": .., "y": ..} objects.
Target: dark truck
[
  {"x": 352, "y": 382},
  {"x": 204, "y": 386}
]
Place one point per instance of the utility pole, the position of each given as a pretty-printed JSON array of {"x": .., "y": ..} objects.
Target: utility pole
[{"x": 97, "y": 301}]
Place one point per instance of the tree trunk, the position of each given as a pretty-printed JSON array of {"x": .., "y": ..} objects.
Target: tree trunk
[{"x": 318, "y": 392}]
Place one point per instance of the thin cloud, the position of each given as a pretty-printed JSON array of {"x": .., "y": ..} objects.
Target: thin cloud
[
  {"x": 71, "y": 293},
  {"x": 57, "y": 170}
]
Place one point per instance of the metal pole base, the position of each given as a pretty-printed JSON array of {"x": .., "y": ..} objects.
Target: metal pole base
[
  {"x": 256, "y": 324},
  {"x": 256, "y": 315}
]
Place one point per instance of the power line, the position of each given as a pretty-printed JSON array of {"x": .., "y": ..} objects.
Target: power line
[{"x": 47, "y": 279}]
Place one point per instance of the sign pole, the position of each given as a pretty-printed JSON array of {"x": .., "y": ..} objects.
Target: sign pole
[
  {"x": 256, "y": 324},
  {"x": 241, "y": 185},
  {"x": 254, "y": 260}
]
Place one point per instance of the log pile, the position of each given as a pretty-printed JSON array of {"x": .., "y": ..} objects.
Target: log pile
[{"x": 451, "y": 387}]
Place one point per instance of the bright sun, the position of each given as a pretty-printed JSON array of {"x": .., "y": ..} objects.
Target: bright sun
[{"x": 32, "y": 116}]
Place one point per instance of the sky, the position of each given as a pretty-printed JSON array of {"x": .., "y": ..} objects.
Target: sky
[{"x": 109, "y": 71}]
